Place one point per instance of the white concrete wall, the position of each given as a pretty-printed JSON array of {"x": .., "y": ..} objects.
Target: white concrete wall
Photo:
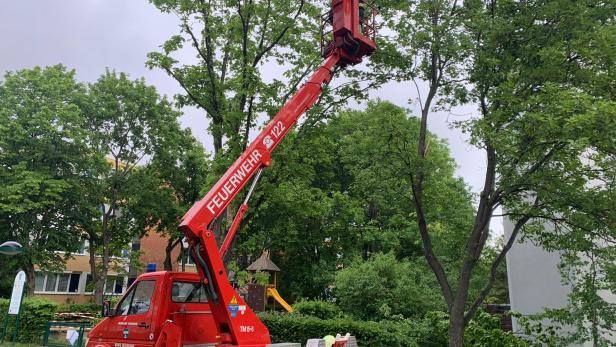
[{"x": 535, "y": 282}]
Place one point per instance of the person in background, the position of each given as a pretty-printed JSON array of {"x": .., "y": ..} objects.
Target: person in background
[{"x": 363, "y": 10}]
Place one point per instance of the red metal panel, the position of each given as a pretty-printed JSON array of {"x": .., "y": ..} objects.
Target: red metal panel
[{"x": 342, "y": 18}]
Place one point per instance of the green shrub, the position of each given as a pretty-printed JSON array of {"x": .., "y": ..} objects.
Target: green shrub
[
  {"x": 484, "y": 330},
  {"x": 297, "y": 328},
  {"x": 317, "y": 308},
  {"x": 35, "y": 313},
  {"x": 383, "y": 287},
  {"x": 430, "y": 331}
]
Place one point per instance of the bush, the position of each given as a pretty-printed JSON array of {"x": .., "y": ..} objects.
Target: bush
[
  {"x": 384, "y": 288},
  {"x": 484, "y": 330},
  {"x": 35, "y": 313},
  {"x": 297, "y": 328},
  {"x": 428, "y": 331},
  {"x": 317, "y": 308}
]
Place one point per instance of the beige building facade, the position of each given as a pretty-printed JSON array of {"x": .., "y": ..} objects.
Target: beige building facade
[{"x": 74, "y": 285}]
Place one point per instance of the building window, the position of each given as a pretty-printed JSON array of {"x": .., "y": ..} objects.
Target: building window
[
  {"x": 188, "y": 260},
  {"x": 63, "y": 282},
  {"x": 39, "y": 282},
  {"x": 114, "y": 285},
  {"x": 136, "y": 244},
  {"x": 73, "y": 284},
  {"x": 56, "y": 282},
  {"x": 52, "y": 280},
  {"x": 89, "y": 284}
]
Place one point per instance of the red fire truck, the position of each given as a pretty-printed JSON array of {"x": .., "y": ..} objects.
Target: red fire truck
[{"x": 182, "y": 309}]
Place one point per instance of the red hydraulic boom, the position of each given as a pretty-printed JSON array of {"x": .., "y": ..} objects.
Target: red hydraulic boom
[{"x": 351, "y": 39}]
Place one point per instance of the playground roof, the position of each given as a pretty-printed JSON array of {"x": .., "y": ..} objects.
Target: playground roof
[{"x": 264, "y": 263}]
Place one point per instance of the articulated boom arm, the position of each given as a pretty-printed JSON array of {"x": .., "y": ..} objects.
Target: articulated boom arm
[
  {"x": 351, "y": 39},
  {"x": 257, "y": 155},
  {"x": 237, "y": 324}
]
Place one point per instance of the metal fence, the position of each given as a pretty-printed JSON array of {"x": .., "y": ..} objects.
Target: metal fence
[{"x": 62, "y": 334}]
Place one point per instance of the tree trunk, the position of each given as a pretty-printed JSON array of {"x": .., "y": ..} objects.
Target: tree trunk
[
  {"x": 99, "y": 273},
  {"x": 171, "y": 244},
  {"x": 99, "y": 287},
  {"x": 456, "y": 332},
  {"x": 30, "y": 278},
  {"x": 217, "y": 135},
  {"x": 99, "y": 292},
  {"x": 96, "y": 276},
  {"x": 456, "y": 327}
]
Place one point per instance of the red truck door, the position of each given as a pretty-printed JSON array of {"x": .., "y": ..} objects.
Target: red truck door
[
  {"x": 132, "y": 324},
  {"x": 191, "y": 311}
]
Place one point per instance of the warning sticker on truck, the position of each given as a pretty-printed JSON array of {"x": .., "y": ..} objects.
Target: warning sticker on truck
[{"x": 234, "y": 307}]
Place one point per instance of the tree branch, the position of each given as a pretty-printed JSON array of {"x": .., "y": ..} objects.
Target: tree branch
[
  {"x": 495, "y": 264},
  {"x": 433, "y": 262},
  {"x": 279, "y": 37}
]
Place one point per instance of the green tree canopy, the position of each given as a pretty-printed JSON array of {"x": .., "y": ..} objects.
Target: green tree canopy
[
  {"x": 232, "y": 42},
  {"x": 43, "y": 158},
  {"x": 331, "y": 196},
  {"x": 544, "y": 75},
  {"x": 129, "y": 124},
  {"x": 165, "y": 188}
]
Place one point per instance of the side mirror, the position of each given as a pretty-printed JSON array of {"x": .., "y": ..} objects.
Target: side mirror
[{"x": 108, "y": 311}]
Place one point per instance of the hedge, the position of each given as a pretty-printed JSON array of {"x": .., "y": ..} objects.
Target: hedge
[
  {"x": 317, "y": 308},
  {"x": 428, "y": 331},
  {"x": 298, "y": 328},
  {"x": 35, "y": 313}
]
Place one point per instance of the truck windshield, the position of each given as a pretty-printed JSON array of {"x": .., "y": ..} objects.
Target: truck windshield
[{"x": 188, "y": 292}]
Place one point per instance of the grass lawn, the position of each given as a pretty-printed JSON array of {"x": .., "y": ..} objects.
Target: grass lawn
[{"x": 8, "y": 344}]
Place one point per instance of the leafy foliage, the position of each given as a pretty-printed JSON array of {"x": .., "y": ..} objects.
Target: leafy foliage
[
  {"x": 301, "y": 328},
  {"x": 35, "y": 313},
  {"x": 317, "y": 308},
  {"x": 43, "y": 161},
  {"x": 538, "y": 74},
  {"x": 383, "y": 288},
  {"x": 428, "y": 331},
  {"x": 86, "y": 307},
  {"x": 548, "y": 118},
  {"x": 128, "y": 122},
  {"x": 233, "y": 41},
  {"x": 327, "y": 200},
  {"x": 166, "y": 187}
]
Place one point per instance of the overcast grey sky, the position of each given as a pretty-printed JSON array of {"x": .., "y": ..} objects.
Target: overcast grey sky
[{"x": 91, "y": 35}]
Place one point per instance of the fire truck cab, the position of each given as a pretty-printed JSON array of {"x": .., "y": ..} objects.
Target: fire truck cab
[{"x": 153, "y": 300}]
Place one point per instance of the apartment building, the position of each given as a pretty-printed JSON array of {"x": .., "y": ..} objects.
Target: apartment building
[{"x": 75, "y": 285}]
